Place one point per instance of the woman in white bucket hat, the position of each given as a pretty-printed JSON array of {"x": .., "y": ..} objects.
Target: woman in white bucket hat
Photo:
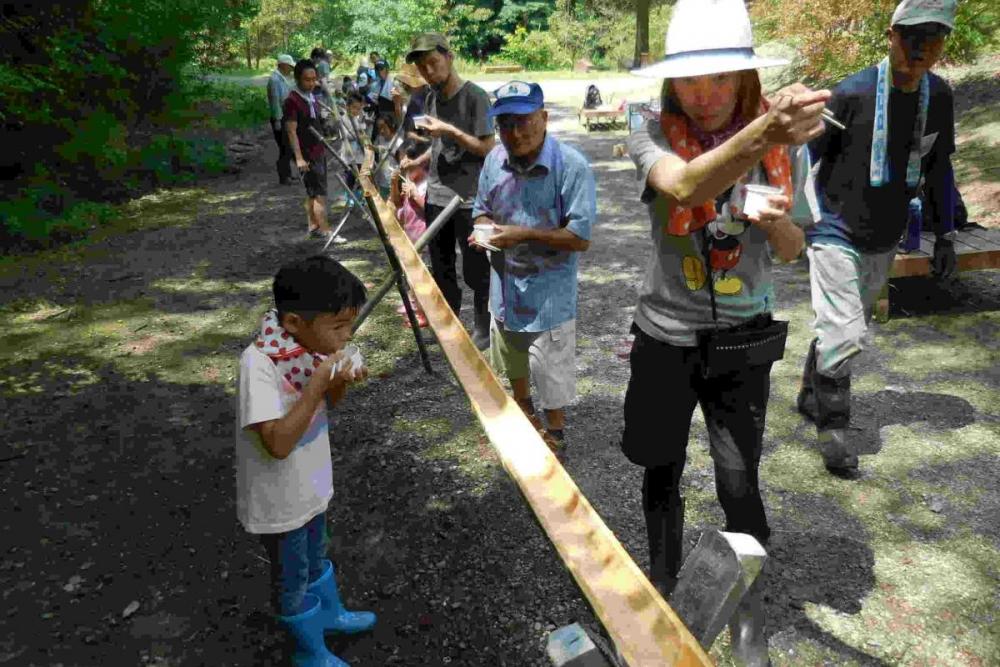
[{"x": 716, "y": 142}]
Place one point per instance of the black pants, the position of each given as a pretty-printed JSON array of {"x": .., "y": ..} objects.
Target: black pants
[
  {"x": 664, "y": 387},
  {"x": 285, "y": 155},
  {"x": 475, "y": 265}
]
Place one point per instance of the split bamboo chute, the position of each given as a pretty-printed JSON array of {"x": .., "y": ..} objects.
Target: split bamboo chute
[{"x": 644, "y": 628}]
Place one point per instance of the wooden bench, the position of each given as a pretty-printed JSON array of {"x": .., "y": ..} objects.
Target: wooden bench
[
  {"x": 494, "y": 69},
  {"x": 974, "y": 249},
  {"x": 603, "y": 118}
]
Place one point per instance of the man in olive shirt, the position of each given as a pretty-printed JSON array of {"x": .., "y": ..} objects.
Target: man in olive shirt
[{"x": 457, "y": 119}]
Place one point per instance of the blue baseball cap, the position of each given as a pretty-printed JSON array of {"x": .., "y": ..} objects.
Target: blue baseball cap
[{"x": 517, "y": 97}]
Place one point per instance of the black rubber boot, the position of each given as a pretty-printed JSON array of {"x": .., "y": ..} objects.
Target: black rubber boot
[
  {"x": 664, "y": 511},
  {"x": 481, "y": 321},
  {"x": 806, "y": 402},
  {"x": 833, "y": 417},
  {"x": 739, "y": 494}
]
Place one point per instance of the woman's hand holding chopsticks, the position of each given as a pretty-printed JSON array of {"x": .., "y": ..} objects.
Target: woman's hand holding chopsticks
[{"x": 796, "y": 115}]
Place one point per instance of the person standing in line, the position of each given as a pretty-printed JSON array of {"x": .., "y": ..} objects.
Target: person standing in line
[
  {"x": 704, "y": 330},
  {"x": 540, "y": 197},
  {"x": 384, "y": 85},
  {"x": 302, "y": 113},
  {"x": 900, "y": 133},
  {"x": 278, "y": 86},
  {"x": 295, "y": 368},
  {"x": 457, "y": 118}
]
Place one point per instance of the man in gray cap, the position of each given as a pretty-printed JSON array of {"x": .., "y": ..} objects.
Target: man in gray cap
[
  {"x": 457, "y": 119},
  {"x": 900, "y": 136},
  {"x": 278, "y": 87}
]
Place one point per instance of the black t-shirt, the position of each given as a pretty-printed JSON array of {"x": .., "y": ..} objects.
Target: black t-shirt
[
  {"x": 853, "y": 211},
  {"x": 455, "y": 170}
]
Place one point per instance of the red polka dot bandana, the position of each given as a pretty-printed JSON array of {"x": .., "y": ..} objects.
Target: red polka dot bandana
[{"x": 295, "y": 363}]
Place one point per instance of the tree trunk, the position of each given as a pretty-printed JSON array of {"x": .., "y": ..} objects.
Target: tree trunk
[{"x": 641, "y": 30}]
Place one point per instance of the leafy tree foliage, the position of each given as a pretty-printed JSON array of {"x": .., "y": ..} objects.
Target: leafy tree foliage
[
  {"x": 80, "y": 80},
  {"x": 836, "y": 39}
]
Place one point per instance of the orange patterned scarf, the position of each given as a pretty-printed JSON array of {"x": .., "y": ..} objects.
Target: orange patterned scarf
[{"x": 683, "y": 221}]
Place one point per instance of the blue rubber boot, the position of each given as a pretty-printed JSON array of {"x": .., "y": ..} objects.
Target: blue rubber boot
[
  {"x": 335, "y": 617},
  {"x": 307, "y": 630}
]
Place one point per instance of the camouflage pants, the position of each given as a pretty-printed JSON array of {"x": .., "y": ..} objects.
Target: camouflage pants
[{"x": 845, "y": 284}]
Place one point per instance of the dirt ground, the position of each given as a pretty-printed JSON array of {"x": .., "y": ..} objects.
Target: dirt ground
[{"x": 121, "y": 544}]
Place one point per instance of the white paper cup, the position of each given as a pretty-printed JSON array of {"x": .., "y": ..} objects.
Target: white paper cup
[
  {"x": 482, "y": 232},
  {"x": 757, "y": 199},
  {"x": 354, "y": 354}
]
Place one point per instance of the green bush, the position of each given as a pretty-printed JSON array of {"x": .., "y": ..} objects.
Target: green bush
[
  {"x": 246, "y": 106},
  {"x": 538, "y": 50},
  {"x": 29, "y": 219}
]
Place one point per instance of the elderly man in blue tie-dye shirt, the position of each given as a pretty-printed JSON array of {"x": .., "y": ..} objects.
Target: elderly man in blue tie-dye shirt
[{"x": 538, "y": 198}]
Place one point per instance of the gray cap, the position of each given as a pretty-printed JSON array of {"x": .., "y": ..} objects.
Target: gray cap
[
  {"x": 424, "y": 42},
  {"x": 914, "y": 12},
  {"x": 285, "y": 59}
]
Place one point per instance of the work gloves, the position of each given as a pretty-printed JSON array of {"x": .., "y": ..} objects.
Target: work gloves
[{"x": 944, "y": 262}]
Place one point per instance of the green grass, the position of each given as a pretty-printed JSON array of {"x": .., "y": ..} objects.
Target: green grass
[{"x": 243, "y": 70}]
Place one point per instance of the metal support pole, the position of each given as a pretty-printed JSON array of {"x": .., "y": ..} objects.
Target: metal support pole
[
  {"x": 373, "y": 218},
  {"x": 357, "y": 175},
  {"x": 336, "y": 230},
  {"x": 421, "y": 243},
  {"x": 400, "y": 284}
]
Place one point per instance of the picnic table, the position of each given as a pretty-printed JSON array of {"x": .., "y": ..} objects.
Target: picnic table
[
  {"x": 975, "y": 248},
  {"x": 605, "y": 117}
]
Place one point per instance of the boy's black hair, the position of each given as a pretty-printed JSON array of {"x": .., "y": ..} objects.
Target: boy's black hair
[
  {"x": 389, "y": 119},
  {"x": 355, "y": 96},
  {"x": 317, "y": 53},
  {"x": 302, "y": 66},
  {"x": 316, "y": 285}
]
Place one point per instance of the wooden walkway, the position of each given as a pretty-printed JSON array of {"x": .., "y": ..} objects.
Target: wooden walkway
[{"x": 975, "y": 249}]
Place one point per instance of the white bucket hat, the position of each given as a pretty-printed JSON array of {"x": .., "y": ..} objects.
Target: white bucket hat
[{"x": 708, "y": 37}]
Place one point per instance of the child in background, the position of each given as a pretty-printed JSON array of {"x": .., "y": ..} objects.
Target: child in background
[
  {"x": 284, "y": 478},
  {"x": 352, "y": 148},
  {"x": 385, "y": 132},
  {"x": 408, "y": 196}
]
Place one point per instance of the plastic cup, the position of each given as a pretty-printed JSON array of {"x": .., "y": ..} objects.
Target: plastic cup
[
  {"x": 756, "y": 199},
  {"x": 352, "y": 353},
  {"x": 482, "y": 232}
]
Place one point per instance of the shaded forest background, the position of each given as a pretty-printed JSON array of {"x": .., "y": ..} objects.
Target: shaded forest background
[{"x": 101, "y": 100}]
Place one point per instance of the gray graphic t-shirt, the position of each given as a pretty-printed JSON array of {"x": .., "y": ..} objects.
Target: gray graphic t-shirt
[
  {"x": 674, "y": 302},
  {"x": 454, "y": 170}
]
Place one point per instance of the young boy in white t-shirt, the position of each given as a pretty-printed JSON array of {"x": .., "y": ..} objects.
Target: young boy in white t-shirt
[{"x": 283, "y": 470}]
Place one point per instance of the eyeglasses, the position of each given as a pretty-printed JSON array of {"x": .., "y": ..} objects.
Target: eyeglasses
[{"x": 509, "y": 121}]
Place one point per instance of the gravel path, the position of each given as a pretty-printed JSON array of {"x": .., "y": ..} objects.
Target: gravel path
[{"x": 121, "y": 491}]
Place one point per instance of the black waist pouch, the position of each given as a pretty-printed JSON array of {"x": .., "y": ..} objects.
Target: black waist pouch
[{"x": 757, "y": 342}]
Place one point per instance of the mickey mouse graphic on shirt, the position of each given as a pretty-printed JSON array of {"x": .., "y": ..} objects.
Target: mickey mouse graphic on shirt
[{"x": 725, "y": 227}]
